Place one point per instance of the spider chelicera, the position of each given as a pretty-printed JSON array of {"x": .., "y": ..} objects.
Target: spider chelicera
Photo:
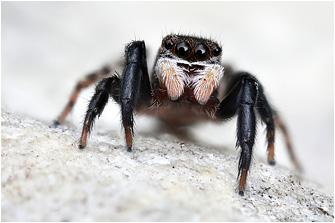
[{"x": 187, "y": 86}]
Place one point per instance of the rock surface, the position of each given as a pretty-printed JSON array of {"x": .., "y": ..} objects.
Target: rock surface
[{"x": 44, "y": 177}]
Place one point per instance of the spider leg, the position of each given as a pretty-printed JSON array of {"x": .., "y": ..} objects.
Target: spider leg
[
  {"x": 266, "y": 112},
  {"x": 85, "y": 82},
  {"x": 107, "y": 87},
  {"x": 280, "y": 124},
  {"x": 271, "y": 118},
  {"x": 241, "y": 100},
  {"x": 135, "y": 88}
]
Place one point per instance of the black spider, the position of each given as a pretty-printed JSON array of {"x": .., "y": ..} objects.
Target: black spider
[{"x": 185, "y": 87}]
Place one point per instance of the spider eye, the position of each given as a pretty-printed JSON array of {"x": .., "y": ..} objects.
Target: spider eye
[
  {"x": 216, "y": 51},
  {"x": 183, "y": 49},
  {"x": 168, "y": 43},
  {"x": 201, "y": 52}
]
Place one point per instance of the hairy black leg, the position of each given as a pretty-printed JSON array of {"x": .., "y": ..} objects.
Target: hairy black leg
[
  {"x": 271, "y": 118},
  {"x": 135, "y": 87},
  {"x": 229, "y": 104},
  {"x": 85, "y": 82},
  {"x": 106, "y": 88},
  {"x": 241, "y": 100},
  {"x": 246, "y": 128},
  {"x": 266, "y": 113}
]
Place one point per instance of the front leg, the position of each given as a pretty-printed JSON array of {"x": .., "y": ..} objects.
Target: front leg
[
  {"x": 246, "y": 128},
  {"x": 241, "y": 101},
  {"x": 135, "y": 89}
]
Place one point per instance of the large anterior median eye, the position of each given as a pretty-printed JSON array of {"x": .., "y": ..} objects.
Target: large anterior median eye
[
  {"x": 183, "y": 49},
  {"x": 201, "y": 52}
]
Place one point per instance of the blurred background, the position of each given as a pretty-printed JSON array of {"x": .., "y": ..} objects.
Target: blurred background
[{"x": 289, "y": 46}]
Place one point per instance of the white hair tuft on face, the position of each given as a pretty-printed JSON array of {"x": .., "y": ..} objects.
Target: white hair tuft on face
[
  {"x": 172, "y": 76},
  {"x": 175, "y": 78},
  {"x": 206, "y": 82}
]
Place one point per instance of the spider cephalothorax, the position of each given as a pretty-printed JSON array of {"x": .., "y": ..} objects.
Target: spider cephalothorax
[{"x": 184, "y": 89}]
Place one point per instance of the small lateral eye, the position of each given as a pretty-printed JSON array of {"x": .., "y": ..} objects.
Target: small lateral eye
[
  {"x": 201, "y": 52},
  {"x": 183, "y": 49},
  {"x": 168, "y": 43},
  {"x": 216, "y": 51}
]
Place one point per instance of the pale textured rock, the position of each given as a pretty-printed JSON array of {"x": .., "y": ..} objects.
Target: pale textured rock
[{"x": 46, "y": 178}]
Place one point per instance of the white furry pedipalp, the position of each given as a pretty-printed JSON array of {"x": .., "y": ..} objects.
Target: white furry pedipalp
[
  {"x": 206, "y": 82},
  {"x": 172, "y": 76},
  {"x": 175, "y": 78}
]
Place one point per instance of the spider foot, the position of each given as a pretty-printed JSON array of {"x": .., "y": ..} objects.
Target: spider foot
[{"x": 55, "y": 123}]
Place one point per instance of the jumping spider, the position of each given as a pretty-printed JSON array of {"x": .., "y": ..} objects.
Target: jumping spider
[{"x": 186, "y": 87}]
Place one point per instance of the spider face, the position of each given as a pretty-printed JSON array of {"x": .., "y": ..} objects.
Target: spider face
[
  {"x": 189, "y": 64},
  {"x": 191, "y": 49}
]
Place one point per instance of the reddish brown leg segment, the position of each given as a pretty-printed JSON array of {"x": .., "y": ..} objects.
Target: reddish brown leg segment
[
  {"x": 129, "y": 138},
  {"x": 243, "y": 180},
  {"x": 281, "y": 125},
  {"x": 84, "y": 134},
  {"x": 271, "y": 152}
]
